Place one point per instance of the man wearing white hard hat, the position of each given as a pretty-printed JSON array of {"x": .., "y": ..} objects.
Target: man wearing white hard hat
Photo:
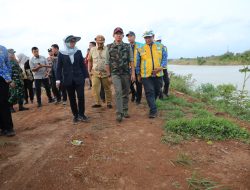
[{"x": 151, "y": 59}]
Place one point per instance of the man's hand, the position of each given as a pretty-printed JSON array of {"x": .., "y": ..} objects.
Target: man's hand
[
  {"x": 133, "y": 79},
  {"x": 58, "y": 84},
  {"x": 110, "y": 79},
  {"x": 12, "y": 85},
  {"x": 157, "y": 70}
]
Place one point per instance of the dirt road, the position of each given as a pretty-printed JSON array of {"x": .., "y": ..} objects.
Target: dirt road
[{"x": 129, "y": 155}]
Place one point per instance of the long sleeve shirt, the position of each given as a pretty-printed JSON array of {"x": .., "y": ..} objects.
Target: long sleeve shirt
[{"x": 5, "y": 66}]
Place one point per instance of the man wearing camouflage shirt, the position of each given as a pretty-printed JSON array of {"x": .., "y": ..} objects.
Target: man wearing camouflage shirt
[{"x": 119, "y": 57}]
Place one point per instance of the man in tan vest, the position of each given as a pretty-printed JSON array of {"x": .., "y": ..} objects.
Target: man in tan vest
[{"x": 97, "y": 69}]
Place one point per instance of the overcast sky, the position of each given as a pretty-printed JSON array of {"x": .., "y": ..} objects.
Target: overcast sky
[{"x": 189, "y": 28}]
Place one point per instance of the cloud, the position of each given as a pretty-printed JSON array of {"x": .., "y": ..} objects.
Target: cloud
[{"x": 189, "y": 28}]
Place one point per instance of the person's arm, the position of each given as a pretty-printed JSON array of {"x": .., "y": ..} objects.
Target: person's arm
[
  {"x": 83, "y": 67},
  {"x": 131, "y": 55},
  {"x": 107, "y": 63},
  {"x": 59, "y": 70},
  {"x": 33, "y": 68},
  {"x": 90, "y": 61},
  {"x": 138, "y": 65},
  {"x": 8, "y": 66},
  {"x": 164, "y": 60}
]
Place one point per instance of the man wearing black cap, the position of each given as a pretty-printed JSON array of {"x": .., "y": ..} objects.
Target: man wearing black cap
[
  {"x": 136, "y": 94},
  {"x": 119, "y": 58}
]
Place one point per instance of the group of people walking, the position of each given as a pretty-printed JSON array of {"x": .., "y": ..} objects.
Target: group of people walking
[{"x": 128, "y": 66}]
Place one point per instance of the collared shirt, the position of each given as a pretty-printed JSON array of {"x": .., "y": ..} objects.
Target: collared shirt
[
  {"x": 5, "y": 66},
  {"x": 131, "y": 54},
  {"x": 34, "y": 62},
  {"x": 98, "y": 58}
]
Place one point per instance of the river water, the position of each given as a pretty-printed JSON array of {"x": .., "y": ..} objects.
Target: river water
[{"x": 212, "y": 74}]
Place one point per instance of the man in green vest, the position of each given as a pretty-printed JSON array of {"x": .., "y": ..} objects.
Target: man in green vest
[{"x": 118, "y": 59}]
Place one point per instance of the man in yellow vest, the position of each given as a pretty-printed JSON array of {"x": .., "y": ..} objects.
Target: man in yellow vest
[{"x": 151, "y": 59}]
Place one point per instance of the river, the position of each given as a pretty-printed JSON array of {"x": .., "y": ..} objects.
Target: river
[{"x": 212, "y": 74}]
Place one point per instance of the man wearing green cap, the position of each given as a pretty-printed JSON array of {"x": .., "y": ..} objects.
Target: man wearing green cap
[{"x": 118, "y": 59}]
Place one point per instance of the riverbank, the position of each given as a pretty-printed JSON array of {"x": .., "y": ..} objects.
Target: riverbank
[{"x": 228, "y": 58}]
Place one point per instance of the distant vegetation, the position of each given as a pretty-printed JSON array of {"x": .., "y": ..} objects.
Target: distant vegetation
[{"x": 229, "y": 58}]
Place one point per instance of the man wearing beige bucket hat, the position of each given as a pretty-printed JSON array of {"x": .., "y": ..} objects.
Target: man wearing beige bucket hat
[{"x": 97, "y": 68}]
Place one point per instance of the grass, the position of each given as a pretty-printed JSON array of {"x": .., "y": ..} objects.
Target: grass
[
  {"x": 196, "y": 182},
  {"x": 184, "y": 160},
  {"x": 185, "y": 120},
  {"x": 171, "y": 138},
  {"x": 210, "y": 128}
]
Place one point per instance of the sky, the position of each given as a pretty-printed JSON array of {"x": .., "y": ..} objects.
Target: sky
[{"x": 189, "y": 28}]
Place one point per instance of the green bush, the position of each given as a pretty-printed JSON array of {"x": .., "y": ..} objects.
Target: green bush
[
  {"x": 207, "y": 92},
  {"x": 182, "y": 83},
  {"x": 210, "y": 128}
]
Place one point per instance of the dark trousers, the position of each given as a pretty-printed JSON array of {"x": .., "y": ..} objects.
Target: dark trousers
[
  {"x": 166, "y": 81},
  {"x": 28, "y": 90},
  {"x": 152, "y": 87},
  {"x": 73, "y": 89},
  {"x": 102, "y": 93},
  {"x": 56, "y": 92},
  {"x": 64, "y": 92},
  {"x": 38, "y": 84},
  {"x": 6, "y": 123},
  {"x": 138, "y": 91}
]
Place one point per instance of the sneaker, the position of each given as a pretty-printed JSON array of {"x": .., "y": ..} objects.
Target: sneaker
[
  {"x": 64, "y": 103},
  {"x": 10, "y": 133},
  {"x": 152, "y": 115},
  {"x": 96, "y": 106},
  {"x": 75, "y": 120},
  {"x": 119, "y": 118},
  {"x": 31, "y": 101},
  {"x": 125, "y": 114},
  {"x": 25, "y": 102},
  {"x": 109, "y": 106},
  {"x": 83, "y": 118},
  {"x": 39, "y": 105},
  {"x": 57, "y": 102}
]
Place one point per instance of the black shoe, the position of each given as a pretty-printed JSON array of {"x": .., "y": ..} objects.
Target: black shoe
[
  {"x": 21, "y": 108},
  {"x": 138, "y": 102},
  {"x": 152, "y": 115},
  {"x": 3, "y": 133},
  {"x": 83, "y": 118},
  {"x": 133, "y": 98},
  {"x": 75, "y": 120},
  {"x": 10, "y": 133},
  {"x": 39, "y": 105},
  {"x": 96, "y": 106},
  {"x": 51, "y": 101},
  {"x": 109, "y": 106}
]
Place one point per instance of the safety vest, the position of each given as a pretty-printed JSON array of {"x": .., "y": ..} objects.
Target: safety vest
[
  {"x": 136, "y": 47},
  {"x": 150, "y": 59}
]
